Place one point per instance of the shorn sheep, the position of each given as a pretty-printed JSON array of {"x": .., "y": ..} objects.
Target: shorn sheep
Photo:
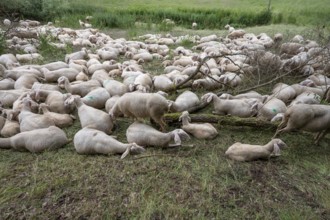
[
  {"x": 92, "y": 141},
  {"x": 199, "y": 131},
  {"x": 312, "y": 118},
  {"x": 146, "y": 135},
  {"x": 36, "y": 140},
  {"x": 248, "y": 152},
  {"x": 141, "y": 105},
  {"x": 237, "y": 107}
]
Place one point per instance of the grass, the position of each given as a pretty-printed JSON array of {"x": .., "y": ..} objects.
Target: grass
[{"x": 180, "y": 183}]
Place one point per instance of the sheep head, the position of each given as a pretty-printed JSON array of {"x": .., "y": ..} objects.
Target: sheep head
[
  {"x": 180, "y": 134},
  {"x": 208, "y": 97},
  {"x": 278, "y": 145},
  {"x": 184, "y": 115},
  {"x": 134, "y": 149}
]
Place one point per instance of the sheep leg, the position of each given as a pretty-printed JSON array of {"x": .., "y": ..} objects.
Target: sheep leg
[
  {"x": 320, "y": 135},
  {"x": 281, "y": 131}
]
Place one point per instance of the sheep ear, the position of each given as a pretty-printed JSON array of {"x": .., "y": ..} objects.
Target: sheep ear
[
  {"x": 276, "y": 151},
  {"x": 209, "y": 99},
  {"x": 177, "y": 138},
  {"x": 127, "y": 151}
]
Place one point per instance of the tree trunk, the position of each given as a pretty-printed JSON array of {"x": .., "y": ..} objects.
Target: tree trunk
[{"x": 223, "y": 120}]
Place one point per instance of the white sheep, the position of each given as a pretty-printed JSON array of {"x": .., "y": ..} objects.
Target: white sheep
[
  {"x": 312, "y": 118},
  {"x": 81, "y": 88},
  {"x": 36, "y": 140},
  {"x": 30, "y": 121},
  {"x": 91, "y": 141},
  {"x": 284, "y": 92},
  {"x": 96, "y": 98},
  {"x": 141, "y": 105},
  {"x": 248, "y": 152},
  {"x": 236, "y": 107},
  {"x": 60, "y": 120},
  {"x": 146, "y": 135},
  {"x": 199, "y": 131},
  {"x": 92, "y": 117},
  {"x": 184, "y": 101},
  {"x": 270, "y": 108},
  {"x": 7, "y": 22}
]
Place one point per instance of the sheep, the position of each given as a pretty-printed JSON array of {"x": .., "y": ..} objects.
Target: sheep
[
  {"x": 115, "y": 87},
  {"x": 284, "y": 92},
  {"x": 7, "y": 22},
  {"x": 81, "y": 89},
  {"x": 142, "y": 83},
  {"x": 194, "y": 25},
  {"x": 55, "y": 65},
  {"x": 10, "y": 127},
  {"x": 56, "y": 101},
  {"x": 8, "y": 60},
  {"x": 26, "y": 81},
  {"x": 231, "y": 79},
  {"x": 248, "y": 152},
  {"x": 44, "y": 86},
  {"x": 8, "y": 97},
  {"x": 60, "y": 120},
  {"x": 146, "y": 135},
  {"x": 36, "y": 140},
  {"x": 53, "y": 76},
  {"x": 270, "y": 108},
  {"x": 163, "y": 83},
  {"x": 291, "y": 48},
  {"x": 237, "y": 107},
  {"x": 7, "y": 84},
  {"x": 91, "y": 141},
  {"x": 141, "y": 105},
  {"x": 319, "y": 79},
  {"x": 18, "y": 72},
  {"x": 199, "y": 131},
  {"x": 76, "y": 55},
  {"x": 29, "y": 57},
  {"x": 208, "y": 83},
  {"x": 307, "y": 98},
  {"x": 247, "y": 95},
  {"x": 100, "y": 75},
  {"x": 311, "y": 118},
  {"x": 29, "y": 121},
  {"x": 184, "y": 101},
  {"x": 102, "y": 122},
  {"x": 96, "y": 98}
]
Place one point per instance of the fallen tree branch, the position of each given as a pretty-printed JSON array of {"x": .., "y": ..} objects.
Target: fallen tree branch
[{"x": 223, "y": 120}]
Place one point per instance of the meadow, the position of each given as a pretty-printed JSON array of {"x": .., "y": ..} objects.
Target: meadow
[{"x": 188, "y": 182}]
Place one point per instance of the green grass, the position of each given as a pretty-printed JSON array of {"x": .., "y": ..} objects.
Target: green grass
[{"x": 207, "y": 13}]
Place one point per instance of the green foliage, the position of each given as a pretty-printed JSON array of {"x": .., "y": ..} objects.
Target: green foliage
[
  {"x": 2, "y": 42},
  {"x": 42, "y": 10}
]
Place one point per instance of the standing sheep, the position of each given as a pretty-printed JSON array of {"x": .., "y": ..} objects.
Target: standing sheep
[{"x": 141, "y": 105}]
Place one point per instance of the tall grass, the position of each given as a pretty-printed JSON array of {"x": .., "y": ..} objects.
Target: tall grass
[{"x": 211, "y": 15}]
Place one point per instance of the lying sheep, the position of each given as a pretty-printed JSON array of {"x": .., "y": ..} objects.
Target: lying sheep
[
  {"x": 184, "y": 101},
  {"x": 247, "y": 152},
  {"x": 36, "y": 140},
  {"x": 87, "y": 116},
  {"x": 236, "y": 107},
  {"x": 284, "y": 92},
  {"x": 146, "y": 135},
  {"x": 30, "y": 121},
  {"x": 312, "y": 118},
  {"x": 96, "y": 98},
  {"x": 307, "y": 98},
  {"x": 141, "y": 105},
  {"x": 199, "y": 131},
  {"x": 91, "y": 141},
  {"x": 60, "y": 120},
  {"x": 271, "y": 107}
]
